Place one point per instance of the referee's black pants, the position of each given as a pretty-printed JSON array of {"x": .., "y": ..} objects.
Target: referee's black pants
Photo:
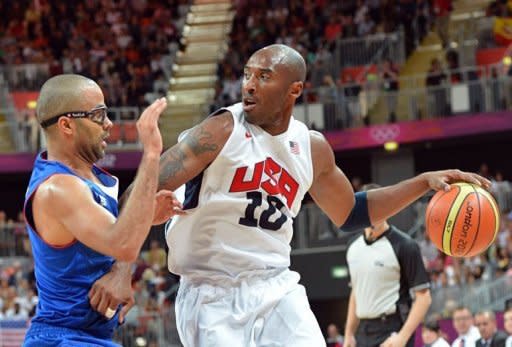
[{"x": 373, "y": 332}]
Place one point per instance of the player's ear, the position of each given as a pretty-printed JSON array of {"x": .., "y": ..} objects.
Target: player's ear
[
  {"x": 64, "y": 124},
  {"x": 296, "y": 89}
]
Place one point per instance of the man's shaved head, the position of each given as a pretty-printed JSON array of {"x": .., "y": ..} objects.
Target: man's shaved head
[
  {"x": 61, "y": 94},
  {"x": 288, "y": 58}
]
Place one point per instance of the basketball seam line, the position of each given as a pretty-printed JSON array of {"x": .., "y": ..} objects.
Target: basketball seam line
[{"x": 479, "y": 219}]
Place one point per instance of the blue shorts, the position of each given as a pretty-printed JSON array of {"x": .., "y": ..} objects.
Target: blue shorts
[{"x": 43, "y": 335}]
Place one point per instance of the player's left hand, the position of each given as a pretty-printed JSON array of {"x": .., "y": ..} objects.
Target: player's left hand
[
  {"x": 395, "y": 340},
  {"x": 167, "y": 206},
  {"x": 441, "y": 180},
  {"x": 111, "y": 290}
]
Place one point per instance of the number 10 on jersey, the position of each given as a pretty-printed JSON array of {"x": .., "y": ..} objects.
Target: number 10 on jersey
[{"x": 264, "y": 222}]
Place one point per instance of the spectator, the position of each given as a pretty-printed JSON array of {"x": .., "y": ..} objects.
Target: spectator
[
  {"x": 490, "y": 336},
  {"x": 157, "y": 257},
  {"x": 432, "y": 335},
  {"x": 442, "y": 10},
  {"x": 389, "y": 77},
  {"x": 467, "y": 333},
  {"x": 352, "y": 105},
  {"x": 507, "y": 322},
  {"x": 437, "y": 101},
  {"x": 334, "y": 338}
]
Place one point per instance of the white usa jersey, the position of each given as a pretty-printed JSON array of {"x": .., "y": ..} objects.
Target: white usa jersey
[{"x": 240, "y": 209}]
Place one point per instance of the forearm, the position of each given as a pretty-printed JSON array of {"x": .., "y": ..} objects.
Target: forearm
[
  {"x": 134, "y": 222},
  {"x": 352, "y": 320},
  {"x": 388, "y": 201},
  {"x": 418, "y": 311}
]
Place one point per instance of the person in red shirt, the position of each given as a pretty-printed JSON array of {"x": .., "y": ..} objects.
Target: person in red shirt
[{"x": 442, "y": 9}]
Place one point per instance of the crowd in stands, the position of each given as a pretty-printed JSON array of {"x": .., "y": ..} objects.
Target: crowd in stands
[
  {"x": 124, "y": 45},
  {"x": 312, "y": 28}
]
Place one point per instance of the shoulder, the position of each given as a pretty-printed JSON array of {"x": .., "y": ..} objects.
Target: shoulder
[
  {"x": 222, "y": 120},
  {"x": 354, "y": 238},
  {"x": 318, "y": 140},
  {"x": 321, "y": 152},
  {"x": 501, "y": 336},
  {"x": 58, "y": 188},
  {"x": 212, "y": 131},
  {"x": 403, "y": 243},
  {"x": 398, "y": 236}
]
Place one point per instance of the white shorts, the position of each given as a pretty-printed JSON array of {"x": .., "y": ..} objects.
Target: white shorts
[{"x": 256, "y": 312}]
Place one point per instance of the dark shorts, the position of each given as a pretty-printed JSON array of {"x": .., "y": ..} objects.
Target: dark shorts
[
  {"x": 372, "y": 332},
  {"x": 43, "y": 335}
]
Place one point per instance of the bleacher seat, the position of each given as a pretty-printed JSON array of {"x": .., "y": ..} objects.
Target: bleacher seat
[
  {"x": 130, "y": 132},
  {"x": 115, "y": 134}
]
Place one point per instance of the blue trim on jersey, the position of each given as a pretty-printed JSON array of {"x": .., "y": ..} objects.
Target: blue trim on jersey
[
  {"x": 192, "y": 190},
  {"x": 65, "y": 274}
]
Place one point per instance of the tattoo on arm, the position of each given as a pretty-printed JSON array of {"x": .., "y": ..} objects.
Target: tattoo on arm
[
  {"x": 200, "y": 141},
  {"x": 171, "y": 163}
]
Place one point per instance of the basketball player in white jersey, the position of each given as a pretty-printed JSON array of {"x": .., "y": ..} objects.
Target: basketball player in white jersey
[{"x": 244, "y": 172}]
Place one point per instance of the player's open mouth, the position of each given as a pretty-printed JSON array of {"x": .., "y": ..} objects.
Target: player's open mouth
[{"x": 249, "y": 104}]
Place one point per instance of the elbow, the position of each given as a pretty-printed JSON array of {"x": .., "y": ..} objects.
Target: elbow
[
  {"x": 425, "y": 297},
  {"x": 345, "y": 214},
  {"x": 428, "y": 297}
]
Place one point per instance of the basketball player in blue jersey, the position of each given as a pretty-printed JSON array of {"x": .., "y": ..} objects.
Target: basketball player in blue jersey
[
  {"x": 243, "y": 173},
  {"x": 72, "y": 215}
]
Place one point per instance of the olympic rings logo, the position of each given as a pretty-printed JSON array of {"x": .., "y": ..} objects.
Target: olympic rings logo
[{"x": 384, "y": 133}]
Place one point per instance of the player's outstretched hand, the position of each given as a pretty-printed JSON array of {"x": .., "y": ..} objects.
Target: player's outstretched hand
[
  {"x": 167, "y": 206},
  {"x": 441, "y": 180},
  {"x": 147, "y": 127}
]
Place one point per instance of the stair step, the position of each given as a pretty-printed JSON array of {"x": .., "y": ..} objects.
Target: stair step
[
  {"x": 210, "y": 5},
  {"x": 191, "y": 70},
  {"x": 210, "y": 18},
  {"x": 201, "y": 30},
  {"x": 190, "y": 97},
  {"x": 198, "y": 58}
]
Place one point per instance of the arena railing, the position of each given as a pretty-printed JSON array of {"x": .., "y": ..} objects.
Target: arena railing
[
  {"x": 364, "y": 50},
  {"x": 478, "y": 90},
  {"x": 484, "y": 294},
  {"x": 27, "y": 135},
  {"x": 26, "y": 77},
  {"x": 14, "y": 240}
]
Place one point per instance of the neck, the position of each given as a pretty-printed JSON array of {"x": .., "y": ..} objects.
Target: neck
[
  {"x": 65, "y": 155},
  {"x": 281, "y": 122}
]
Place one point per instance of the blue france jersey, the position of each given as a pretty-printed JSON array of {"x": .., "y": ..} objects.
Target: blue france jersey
[{"x": 65, "y": 274}]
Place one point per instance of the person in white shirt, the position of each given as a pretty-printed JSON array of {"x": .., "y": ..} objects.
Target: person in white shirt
[
  {"x": 468, "y": 334},
  {"x": 507, "y": 321},
  {"x": 431, "y": 334}
]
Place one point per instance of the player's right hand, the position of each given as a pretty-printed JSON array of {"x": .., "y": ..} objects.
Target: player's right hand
[
  {"x": 147, "y": 127},
  {"x": 349, "y": 341},
  {"x": 167, "y": 206}
]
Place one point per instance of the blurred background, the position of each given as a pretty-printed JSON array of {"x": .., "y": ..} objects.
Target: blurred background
[{"x": 398, "y": 87}]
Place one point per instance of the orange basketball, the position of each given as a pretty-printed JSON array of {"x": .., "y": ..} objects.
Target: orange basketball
[{"x": 464, "y": 221}]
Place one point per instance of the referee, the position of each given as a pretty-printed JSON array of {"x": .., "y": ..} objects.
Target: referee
[{"x": 386, "y": 273}]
